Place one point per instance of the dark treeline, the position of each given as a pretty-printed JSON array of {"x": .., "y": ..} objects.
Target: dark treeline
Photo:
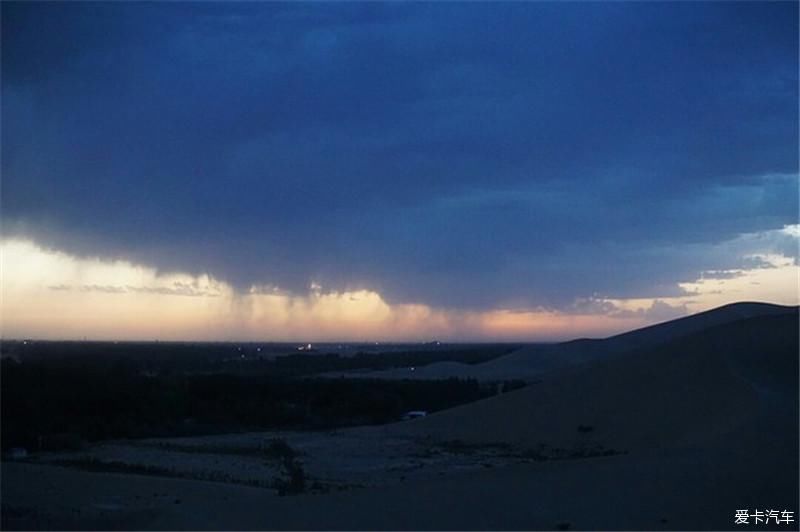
[
  {"x": 47, "y": 406},
  {"x": 167, "y": 358}
]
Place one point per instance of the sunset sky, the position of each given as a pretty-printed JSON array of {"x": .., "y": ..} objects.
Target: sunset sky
[{"x": 393, "y": 171}]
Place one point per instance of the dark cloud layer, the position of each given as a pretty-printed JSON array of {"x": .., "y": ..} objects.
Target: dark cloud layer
[{"x": 464, "y": 155}]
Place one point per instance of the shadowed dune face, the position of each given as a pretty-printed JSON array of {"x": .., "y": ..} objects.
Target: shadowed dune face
[
  {"x": 762, "y": 351},
  {"x": 534, "y": 362},
  {"x": 700, "y": 386},
  {"x": 671, "y": 330}
]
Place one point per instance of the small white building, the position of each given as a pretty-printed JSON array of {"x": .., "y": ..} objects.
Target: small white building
[{"x": 414, "y": 414}]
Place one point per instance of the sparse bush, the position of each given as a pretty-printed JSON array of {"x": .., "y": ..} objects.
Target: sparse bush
[
  {"x": 457, "y": 446},
  {"x": 545, "y": 452},
  {"x": 297, "y": 476},
  {"x": 461, "y": 447},
  {"x": 294, "y": 482}
]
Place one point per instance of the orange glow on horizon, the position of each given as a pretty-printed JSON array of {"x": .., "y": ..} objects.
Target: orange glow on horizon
[{"x": 52, "y": 295}]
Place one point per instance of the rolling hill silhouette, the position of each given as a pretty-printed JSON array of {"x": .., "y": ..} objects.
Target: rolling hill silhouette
[
  {"x": 531, "y": 363},
  {"x": 689, "y": 387}
]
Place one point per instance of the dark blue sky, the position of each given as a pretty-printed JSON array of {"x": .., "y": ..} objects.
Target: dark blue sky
[{"x": 464, "y": 155}]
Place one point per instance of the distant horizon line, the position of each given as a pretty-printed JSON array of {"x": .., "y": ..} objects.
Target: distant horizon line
[
  {"x": 390, "y": 342},
  {"x": 283, "y": 342}
]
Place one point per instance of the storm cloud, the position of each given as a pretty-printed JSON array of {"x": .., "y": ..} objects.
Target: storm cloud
[{"x": 459, "y": 155}]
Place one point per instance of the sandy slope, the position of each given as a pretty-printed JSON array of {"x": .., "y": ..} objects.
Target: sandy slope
[
  {"x": 677, "y": 489},
  {"x": 695, "y": 387},
  {"x": 531, "y": 363}
]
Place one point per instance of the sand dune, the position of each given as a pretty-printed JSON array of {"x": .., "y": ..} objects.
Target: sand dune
[
  {"x": 530, "y": 363},
  {"x": 697, "y": 386},
  {"x": 674, "y": 329}
]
